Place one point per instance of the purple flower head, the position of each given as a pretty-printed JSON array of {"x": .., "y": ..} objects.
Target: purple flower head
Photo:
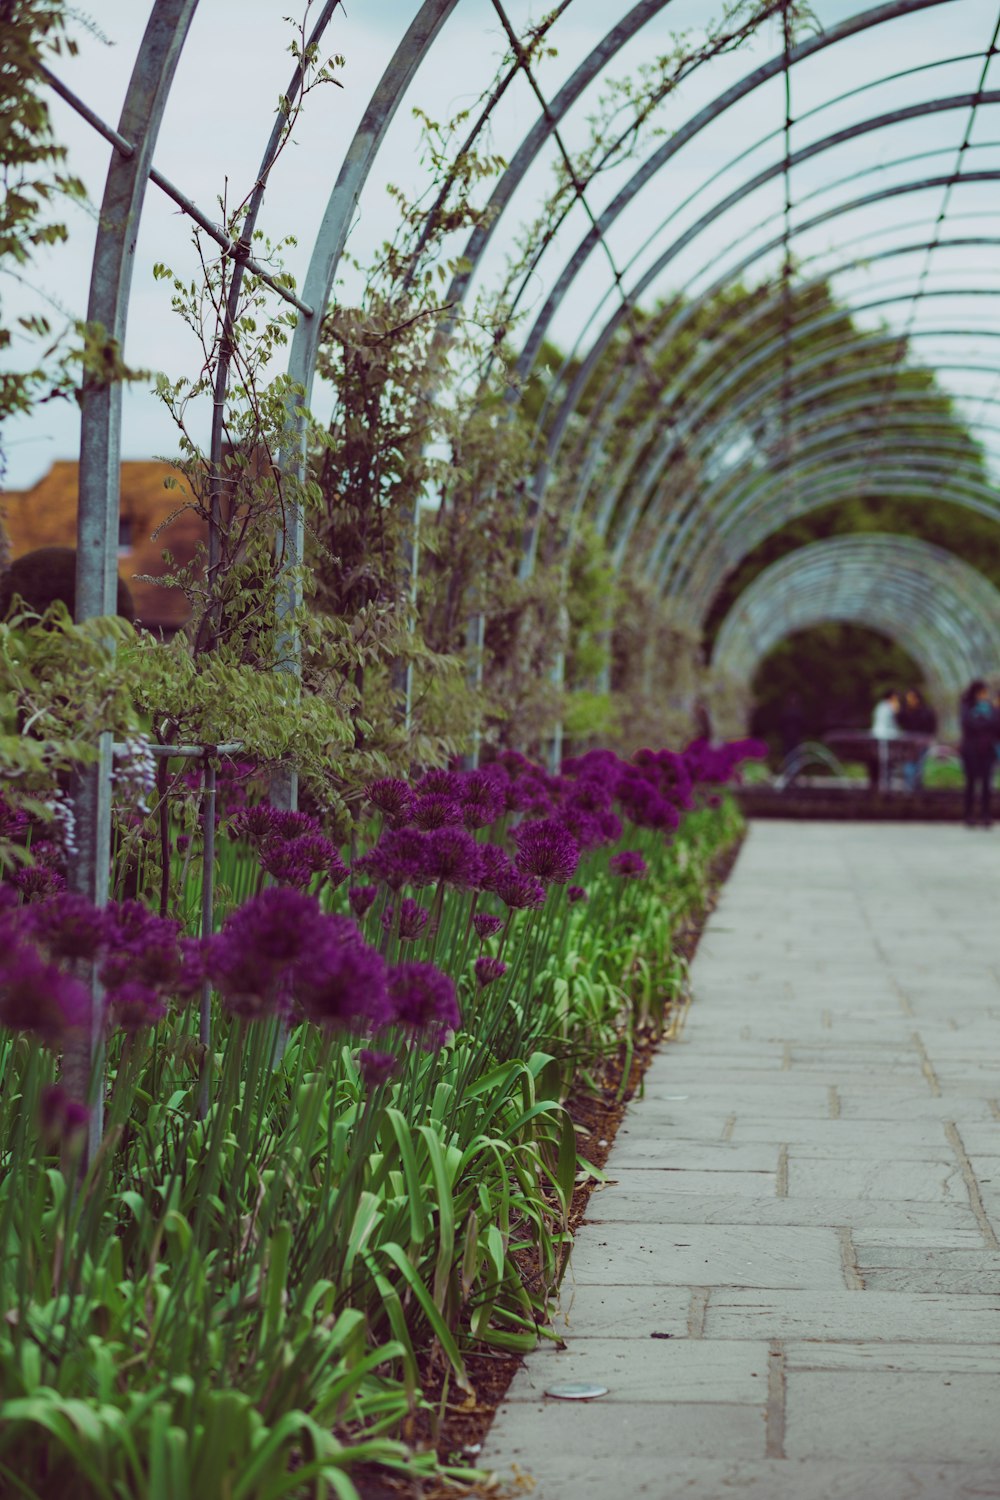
[
  {"x": 454, "y": 857},
  {"x": 575, "y": 893},
  {"x": 424, "y": 1000},
  {"x": 546, "y": 850},
  {"x": 441, "y": 784},
  {"x": 68, "y": 927},
  {"x": 183, "y": 843},
  {"x": 38, "y": 997},
  {"x": 342, "y": 982},
  {"x": 715, "y": 800},
  {"x": 399, "y": 858},
  {"x": 13, "y": 819},
  {"x": 413, "y": 919},
  {"x": 286, "y": 824},
  {"x": 513, "y": 762},
  {"x": 487, "y": 969},
  {"x": 134, "y": 1006},
  {"x": 376, "y": 1067},
  {"x": 591, "y": 795},
  {"x": 60, "y": 1117},
  {"x": 141, "y": 947},
  {"x": 391, "y": 796},
  {"x": 193, "y": 968},
  {"x": 485, "y": 925},
  {"x": 520, "y": 892},
  {"x": 532, "y": 795},
  {"x": 250, "y": 959},
  {"x": 600, "y": 766},
  {"x": 37, "y": 883},
  {"x": 629, "y": 864},
  {"x": 495, "y": 864},
  {"x": 253, "y": 823},
  {"x": 362, "y": 898},
  {"x": 283, "y": 862},
  {"x": 484, "y": 798},
  {"x": 661, "y": 815},
  {"x": 585, "y": 827},
  {"x": 48, "y": 853},
  {"x": 435, "y": 811},
  {"x": 611, "y": 826}
]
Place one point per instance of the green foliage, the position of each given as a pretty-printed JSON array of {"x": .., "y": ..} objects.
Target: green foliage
[{"x": 242, "y": 1302}]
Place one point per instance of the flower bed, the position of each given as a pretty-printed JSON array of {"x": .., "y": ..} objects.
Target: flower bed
[{"x": 281, "y": 1233}]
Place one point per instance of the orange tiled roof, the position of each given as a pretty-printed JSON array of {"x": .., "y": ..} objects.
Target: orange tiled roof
[{"x": 45, "y": 516}]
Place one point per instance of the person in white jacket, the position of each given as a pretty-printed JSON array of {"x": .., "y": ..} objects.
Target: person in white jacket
[{"x": 885, "y": 727}]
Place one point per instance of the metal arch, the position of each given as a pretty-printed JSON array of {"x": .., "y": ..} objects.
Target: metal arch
[
  {"x": 941, "y": 610},
  {"x": 714, "y": 562},
  {"x": 717, "y": 558},
  {"x": 620, "y": 385},
  {"x": 756, "y": 355},
  {"x": 100, "y": 462},
  {"x": 696, "y": 498},
  {"x": 327, "y": 250},
  {"x": 600, "y": 344},
  {"x": 853, "y": 26},
  {"x": 804, "y": 392}
]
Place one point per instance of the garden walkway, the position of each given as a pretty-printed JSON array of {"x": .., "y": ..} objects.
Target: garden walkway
[{"x": 791, "y": 1287}]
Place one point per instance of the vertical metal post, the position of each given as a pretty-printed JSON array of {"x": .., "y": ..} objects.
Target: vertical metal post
[
  {"x": 207, "y": 927},
  {"x": 100, "y": 460}
]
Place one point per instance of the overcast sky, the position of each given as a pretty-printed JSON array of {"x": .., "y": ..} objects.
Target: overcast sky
[{"x": 236, "y": 62}]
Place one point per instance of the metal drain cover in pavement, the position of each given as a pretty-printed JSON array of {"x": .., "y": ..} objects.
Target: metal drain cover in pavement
[{"x": 576, "y": 1391}]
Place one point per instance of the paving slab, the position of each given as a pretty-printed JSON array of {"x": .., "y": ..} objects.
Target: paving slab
[{"x": 790, "y": 1284}]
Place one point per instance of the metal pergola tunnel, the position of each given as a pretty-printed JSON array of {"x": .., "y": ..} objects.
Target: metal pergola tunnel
[{"x": 774, "y": 291}]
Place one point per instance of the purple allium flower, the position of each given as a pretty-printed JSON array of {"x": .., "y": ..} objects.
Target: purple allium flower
[
  {"x": 591, "y": 796},
  {"x": 283, "y": 862},
  {"x": 37, "y": 883},
  {"x": 441, "y": 784},
  {"x": 487, "y": 969},
  {"x": 288, "y": 824},
  {"x": 485, "y": 925},
  {"x": 376, "y": 1067},
  {"x": 413, "y": 919},
  {"x": 453, "y": 857},
  {"x": 60, "y": 1117},
  {"x": 68, "y": 926},
  {"x": 435, "y": 811},
  {"x": 629, "y": 864},
  {"x": 546, "y": 850},
  {"x": 399, "y": 858},
  {"x": 520, "y": 892},
  {"x": 249, "y": 960},
  {"x": 611, "y": 826},
  {"x": 134, "y": 1006},
  {"x": 38, "y": 997},
  {"x": 391, "y": 796},
  {"x": 484, "y": 798},
  {"x": 48, "y": 853},
  {"x": 362, "y": 898},
  {"x": 341, "y": 982},
  {"x": 13, "y": 819},
  {"x": 575, "y": 893},
  {"x": 193, "y": 968},
  {"x": 585, "y": 827},
  {"x": 253, "y": 823},
  {"x": 424, "y": 1000},
  {"x": 182, "y": 843},
  {"x": 141, "y": 946},
  {"x": 495, "y": 864}
]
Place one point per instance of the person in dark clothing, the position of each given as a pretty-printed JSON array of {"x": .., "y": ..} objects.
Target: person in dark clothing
[
  {"x": 916, "y": 717},
  {"x": 980, "y": 731}
]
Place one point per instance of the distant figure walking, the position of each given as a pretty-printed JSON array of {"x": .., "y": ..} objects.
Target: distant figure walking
[
  {"x": 980, "y": 731},
  {"x": 885, "y": 727},
  {"x": 916, "y": 717}
]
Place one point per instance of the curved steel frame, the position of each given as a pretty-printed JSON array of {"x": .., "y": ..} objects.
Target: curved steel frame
[
  {"x": 686, "y": 530},
  {"x": 938, "y": 608}
]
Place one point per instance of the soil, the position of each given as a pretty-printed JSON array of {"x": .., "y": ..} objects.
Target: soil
[{"x": 466, "y": 1422}]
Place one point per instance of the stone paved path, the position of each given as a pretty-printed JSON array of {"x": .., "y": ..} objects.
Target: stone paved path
[{"x": 792, "y": 1285}]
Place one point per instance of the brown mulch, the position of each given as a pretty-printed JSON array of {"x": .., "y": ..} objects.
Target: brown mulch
[{"x": 468, "y": 1420}]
